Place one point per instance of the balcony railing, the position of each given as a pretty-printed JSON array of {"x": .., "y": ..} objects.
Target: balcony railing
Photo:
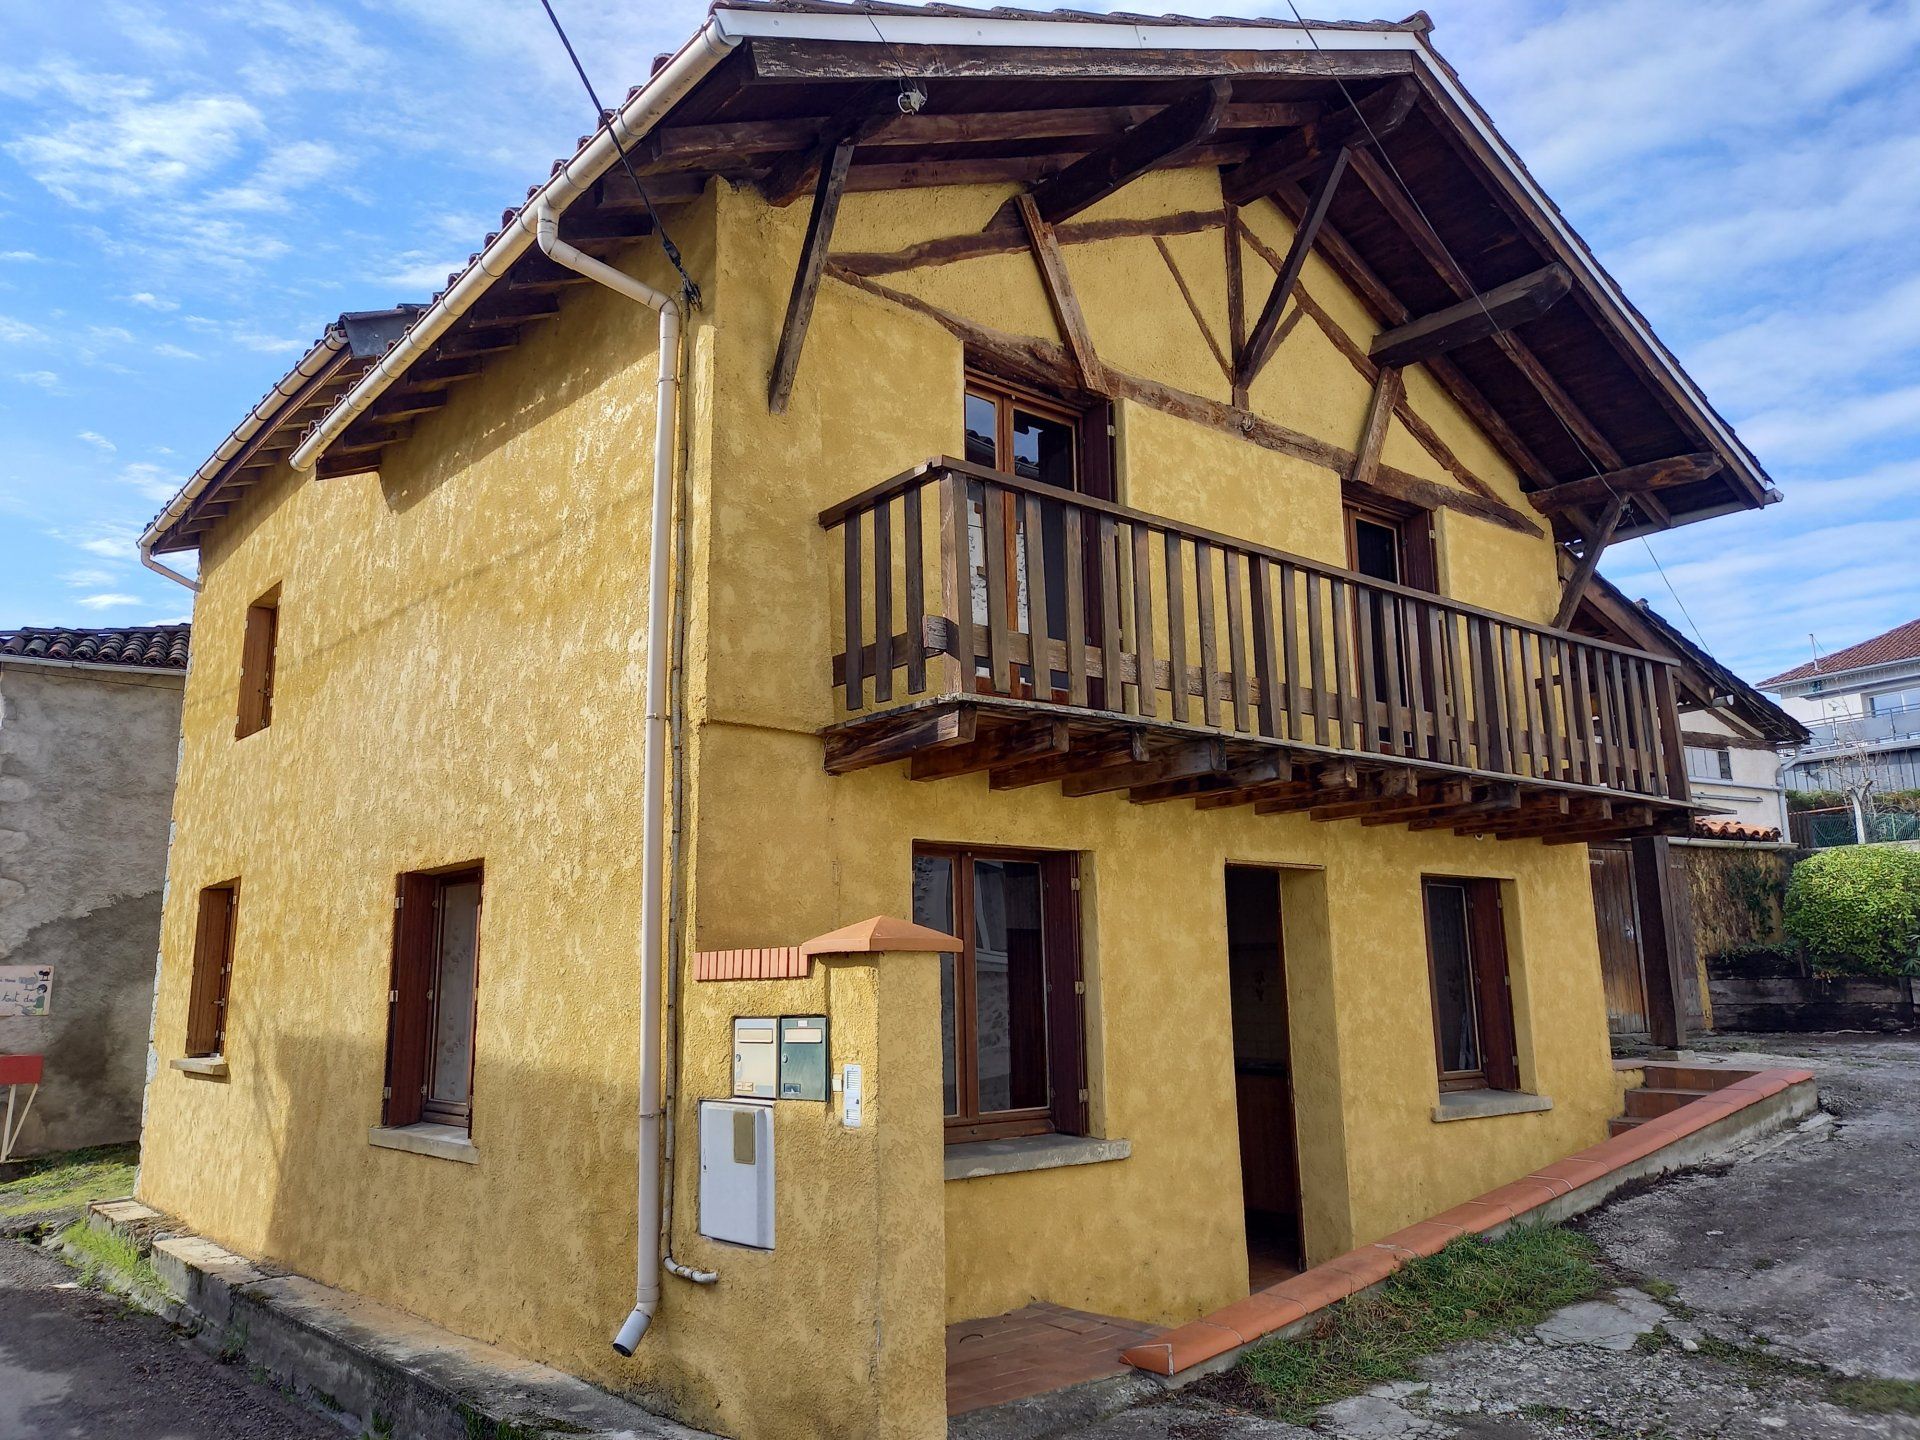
[{"x": 984, "y": 588}]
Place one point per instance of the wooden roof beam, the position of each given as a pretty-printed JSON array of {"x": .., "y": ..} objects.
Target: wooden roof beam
[
  {"x": 830, "y": 184},
  {"x": 1633, "y": 482},
  {"x": 1498, "y": 309},
  {"x": 771, "y": 58},
  {"x": 1152, "y": 143},
  {"x": 1293, "y": 156},
  {"x": 1260, "y": 342},
  {"x": 797, "y": 172}
]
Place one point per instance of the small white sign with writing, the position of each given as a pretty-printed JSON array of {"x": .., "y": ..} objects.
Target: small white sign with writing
[{"x": 25, "y": 990}]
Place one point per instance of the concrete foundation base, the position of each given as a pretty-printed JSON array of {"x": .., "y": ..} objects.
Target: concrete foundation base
[{"x": 388, "y": 1371}]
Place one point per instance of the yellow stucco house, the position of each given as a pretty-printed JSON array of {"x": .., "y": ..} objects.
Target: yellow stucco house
[{"x": 1135, "y": 849}]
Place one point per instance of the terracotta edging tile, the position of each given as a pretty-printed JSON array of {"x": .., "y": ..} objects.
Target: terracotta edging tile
[
  {"x": 1259, "y": 1314},
  {"x": 1426, "y": 1237},
  {"x": 1368, "y": 1265}
]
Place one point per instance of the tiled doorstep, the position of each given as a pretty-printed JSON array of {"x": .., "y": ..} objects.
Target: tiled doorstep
[{"x": 1719, "y": 1118}]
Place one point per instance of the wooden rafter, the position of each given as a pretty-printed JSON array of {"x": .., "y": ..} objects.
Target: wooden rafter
[
  {"x": 1589, "y": 561},
  {"x": 829, "y": 185},
  {"x": 796, "y": 173},
  {"x": 1007, "y": 236},
  {"x": 776, "y": 59},
  {"x": 1058, "y": 284},
  {"x": 1634, "y": 482},
  {"x": 1475, "y": 318},
  {"x": 1373, "y": 435},
  {"x": 1260, "y": 341},
  {"x": 1294, "y": 156},
  {"x": 1152, "y": 143}
]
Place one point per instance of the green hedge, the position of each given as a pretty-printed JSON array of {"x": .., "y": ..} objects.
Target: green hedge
[{"x": 1855, "y": 910}]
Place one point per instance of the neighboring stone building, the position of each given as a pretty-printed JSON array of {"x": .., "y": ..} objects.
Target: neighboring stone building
[{"x": 89, "y": 736}]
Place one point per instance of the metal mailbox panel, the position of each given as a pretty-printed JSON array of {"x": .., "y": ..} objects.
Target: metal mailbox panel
[
  {"x": 803, "y": 1057},
  {"x": 736, "y": 1172},
  {"x": 755, "y": 1061}
]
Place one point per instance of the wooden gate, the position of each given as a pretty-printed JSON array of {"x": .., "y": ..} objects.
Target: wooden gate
[{"x": 1616, "y": 908}]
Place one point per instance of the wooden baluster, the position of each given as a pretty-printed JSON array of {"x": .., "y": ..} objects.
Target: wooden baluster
[
  {"x": 915, "y": 542},
  {"x": 1143, "y": 618},
  {"x": 1590, "y": 759},
  {"x": 1570, "y": 706},
  {"x": 1110, "y": 615},
  {"x": 1209, "y": 643},
  {"x": 883, "y": 601},
  {"x": 1447, "y": 711},
  {"x": 1550, "y": 707},
  {"x": 1037, "y": 628},
  {"x": 1392, "y": 658},
  {"x": 1515, "y": 718},
  {"x": 1420, "y": 727},
  {"x": 1176, "y": 626},
  {"x": 1237, "y": 644},
  {"x": 856, "y": 639},
  {"x": 1363, "y": 599},
  {"x": 1316, "y": 659},
  {"x": 1673, "y": 769},
  {"x": 1339, "y": 603},
  {"x": 1486, "y": 713},
  {"x": 1642, "y": 736},
  {"x": 999, "y": 642},
  {"x": 956, "y": 568},
  {"x": 1609, "y": 729},
  {"x": 1074, "y": 524},
  {"x": 1290, "y": 652},
  {"x": 1266, "y": 668}
]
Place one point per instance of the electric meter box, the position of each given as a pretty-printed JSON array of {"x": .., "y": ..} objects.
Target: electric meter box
[
  {"x": 756, "y": 1072},
  {"x": 803, "y": 1057},
  {"x": 736, "y": 1171}
]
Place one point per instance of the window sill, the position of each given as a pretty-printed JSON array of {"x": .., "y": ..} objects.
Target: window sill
[
  {"x": 214, "y": 1067},
  {"x": 444, "y": 1142},
  {"x": 980, "y": 1158},
  {"x": 1479, "y": 1104}
]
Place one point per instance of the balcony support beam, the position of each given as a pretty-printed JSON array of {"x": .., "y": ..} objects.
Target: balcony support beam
[
  {"x": 1588, "y": 562},
  {"x": 829, "y": 187}
]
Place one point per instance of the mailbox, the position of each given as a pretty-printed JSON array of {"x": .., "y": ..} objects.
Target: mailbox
[
  {"x": 803, "y": 1057},
  {"x": 755, "y": 1063}
]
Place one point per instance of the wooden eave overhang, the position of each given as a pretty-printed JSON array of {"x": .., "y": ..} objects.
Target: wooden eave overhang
[{"x": 1581, "y": 390}]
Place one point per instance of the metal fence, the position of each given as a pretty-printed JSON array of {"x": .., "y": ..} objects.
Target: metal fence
[{"x": 1822, "y": 829}]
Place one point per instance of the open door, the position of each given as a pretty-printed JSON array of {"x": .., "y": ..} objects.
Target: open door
[{"x": 1263, "y": 1074}]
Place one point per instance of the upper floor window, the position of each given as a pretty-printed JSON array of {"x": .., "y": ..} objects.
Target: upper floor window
[
  {"x": 1037, "y": 437},
  {"x": 212, "y": 968},
  {"x": 1391, "y": 542},
  {"x": 1706, "y": 762},
  {"x": 257, "y": 663},
  {"x": 1010, "y": 1001},
  {"x": 431, "y": 1002},
  {"x": 1888, "y": 702},
  {"x": 1472, "y": 1001}
]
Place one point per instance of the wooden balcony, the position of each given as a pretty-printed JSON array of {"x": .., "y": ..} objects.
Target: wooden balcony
[{"x": 1184, "y": 664}]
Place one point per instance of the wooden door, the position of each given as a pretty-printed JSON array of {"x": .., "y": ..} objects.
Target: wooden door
[
  {"x": 1616, "y": 910},
  {"x": 1262, "y": 1065}
]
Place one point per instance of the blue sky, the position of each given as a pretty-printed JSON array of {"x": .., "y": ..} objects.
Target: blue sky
[{"x": 189, "y": 192}]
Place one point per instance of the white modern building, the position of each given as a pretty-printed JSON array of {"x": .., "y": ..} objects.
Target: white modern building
[{"x": 1861, "y": 706}]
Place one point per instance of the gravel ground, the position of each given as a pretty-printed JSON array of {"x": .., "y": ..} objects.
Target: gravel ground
[
  {"x": 77, "y": 1364},
  {"x": 1780, "y": 1274}
]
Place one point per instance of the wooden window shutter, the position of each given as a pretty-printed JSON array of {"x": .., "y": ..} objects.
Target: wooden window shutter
[
  {"x": 408, "y": 1000},
  {"x": 1066, "y": 1045},
  {"x": 256, "y": 665},
  {"x": 1096, "y": 451},
  {"x": 212, "y": 958},
  {"x": 1489, "y": 941}
]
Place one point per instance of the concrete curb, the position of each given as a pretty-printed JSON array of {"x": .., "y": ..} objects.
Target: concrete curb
[
  {"x": 387, "y": 1371},
  {"x": 1711, "y": 1141}
]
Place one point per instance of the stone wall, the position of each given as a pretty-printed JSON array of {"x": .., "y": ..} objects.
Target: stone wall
[
  {"x": 1737, "y": 891},
  {"x": 86, "y": 795}
]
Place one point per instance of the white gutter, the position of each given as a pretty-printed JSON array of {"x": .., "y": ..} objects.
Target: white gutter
[
  {"x": 650, "y": 1242},
  {"x": 326, "y": 356},
  {"x": 665, "y": 90}
]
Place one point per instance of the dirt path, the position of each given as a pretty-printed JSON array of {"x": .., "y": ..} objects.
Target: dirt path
[
  {"x": 1772, "y": 1294},
  {"x": 80, "y": 1363}
]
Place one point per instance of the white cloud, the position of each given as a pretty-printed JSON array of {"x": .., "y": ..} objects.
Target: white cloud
[
  {"x": 108, "y": 600},
  {"x": 147, "y": 300},
  {"x": 152, "y": 481},
  {"x": 19, "y": 332},
  {"x": 130, "y": 148},
  {"x": 166, "y": 350},
  {"x": 98, "y": 441},
  {"x": 44, "y": 379},
  {"x": 88, "y": 579},
  {"x": 22, "y": 257}
]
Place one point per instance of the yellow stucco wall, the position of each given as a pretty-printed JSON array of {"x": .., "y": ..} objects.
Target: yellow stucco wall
[{"x": 460, "y": 667}]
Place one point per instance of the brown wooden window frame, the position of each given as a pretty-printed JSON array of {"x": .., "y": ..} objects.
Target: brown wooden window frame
[
  {"x": 1066, "y": 1110},
  {"x": 412, "y": 1006},
  {"x": 1492, "y": 990},
  {"x": 1412, "y": 526},
  {"x": 215, "y": 921},
  {"x": 258, "y": 651}
]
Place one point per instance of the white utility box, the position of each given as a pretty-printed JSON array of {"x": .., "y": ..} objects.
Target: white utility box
[{"x": 736, "y": 1172}]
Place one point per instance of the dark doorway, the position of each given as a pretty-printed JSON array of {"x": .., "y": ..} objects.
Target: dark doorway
[{"x": 1263, "y": 1074}]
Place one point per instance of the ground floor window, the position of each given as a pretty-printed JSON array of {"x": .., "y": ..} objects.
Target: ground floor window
[
  {"x": 212, "y": 969},
  {"x": 1472, "y": 999},
  {"x": 1010, "y": 1001},
  {"x": 436, "y": 972}
]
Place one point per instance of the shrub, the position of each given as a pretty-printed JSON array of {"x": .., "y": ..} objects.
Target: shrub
[{"x": 1855, "y": 910}]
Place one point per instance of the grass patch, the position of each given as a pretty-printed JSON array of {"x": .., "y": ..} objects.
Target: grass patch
[
  {"x": 102, "y": 1252},
  {"x": 70, "y": 1181},
  {"x": 1470, "y": 1290},
  {"x": 1878, "y": 1397}
]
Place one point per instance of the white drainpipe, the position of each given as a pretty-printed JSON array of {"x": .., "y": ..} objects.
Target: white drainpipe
[{"x": 650, "y": 1242}]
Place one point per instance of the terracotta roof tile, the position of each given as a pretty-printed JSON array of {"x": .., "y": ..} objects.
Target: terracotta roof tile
[
  {"x": 1900, "y": 643},
  {"x": 154, "y": 647},
  {"x": 1732, "y": 830}
]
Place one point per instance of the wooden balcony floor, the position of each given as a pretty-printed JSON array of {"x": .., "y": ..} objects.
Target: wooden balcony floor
[{"x": 1017, "y": 743}]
